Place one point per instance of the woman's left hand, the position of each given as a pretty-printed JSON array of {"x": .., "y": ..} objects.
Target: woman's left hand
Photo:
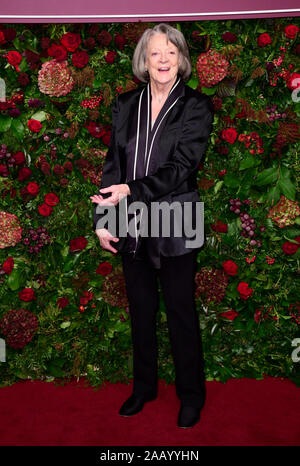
[{"x": 118, "y": 191}]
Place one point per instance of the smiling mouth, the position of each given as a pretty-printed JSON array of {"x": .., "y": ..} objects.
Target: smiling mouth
[{"x": 163, "y": 69}]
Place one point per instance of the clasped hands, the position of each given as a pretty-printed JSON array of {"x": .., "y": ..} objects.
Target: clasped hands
[{"x": 118, "y": 191}]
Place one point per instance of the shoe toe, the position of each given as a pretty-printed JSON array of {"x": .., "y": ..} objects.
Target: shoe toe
[{"x": 188, "y": 416}]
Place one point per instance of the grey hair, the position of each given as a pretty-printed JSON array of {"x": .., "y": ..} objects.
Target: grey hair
[{"x": 174, "y": 36}]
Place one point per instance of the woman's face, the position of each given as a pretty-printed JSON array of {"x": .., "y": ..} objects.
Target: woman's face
[{"x": 162, "y": 60}]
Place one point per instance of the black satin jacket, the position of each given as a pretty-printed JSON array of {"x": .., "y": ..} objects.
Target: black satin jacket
[{"x": 182, "y": 147}]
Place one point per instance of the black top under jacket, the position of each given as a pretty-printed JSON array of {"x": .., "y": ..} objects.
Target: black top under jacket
[{"x": 158, "y": 163}]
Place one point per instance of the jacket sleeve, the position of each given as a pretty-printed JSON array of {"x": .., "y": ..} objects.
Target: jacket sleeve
[
  {"x": 111, "y": 173},
  {"x": 188, "y": 154}
]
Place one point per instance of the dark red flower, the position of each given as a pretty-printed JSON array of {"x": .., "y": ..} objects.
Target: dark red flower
[
  {"x": 51, "y": 199},
  {"x": 27, "y": 294},
  {"x": 229, "y": 135},
  {"x": 104, "y": 37},
  {"x": 80, "y": 58},
  {"x": 120, "y": 41},
  {"x": 244, "y": 290},
  {"x": 231, "y": 315},
  {"x": 230, "y": 267},
  {"x": 58, "y": 52},
  {"x": 62, "y": 302},
  {"x": 34, "y": 125},
  {"x": 264, "y": 39},
  {"x": 71, "y": 41},
  {"x": 45, "y": 210},
  {"x": 33, "y": 188},
  {"x": 8, "y": 265},
  {"x": 78, "y": 244},
  {"x": 291, "y": 31},
  {"x": 24, "y": 173},
  {"x": 14, "y": 58},
  {"x": 19, "y": 158},
  {"x": 110, "y": 57},
  {"x": 229, "y": 37},
  {"x": 104, "y": 269},
  {"x": 290, "y": 248}
]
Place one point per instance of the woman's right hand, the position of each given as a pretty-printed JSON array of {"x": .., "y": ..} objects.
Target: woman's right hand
[{"x": 105, "y": 237}]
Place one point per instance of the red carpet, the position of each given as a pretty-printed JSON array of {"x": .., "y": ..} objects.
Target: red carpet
[{"x": 240, "y": 412}]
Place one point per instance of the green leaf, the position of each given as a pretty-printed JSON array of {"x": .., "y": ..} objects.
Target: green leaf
[
  {"x": 267, "y": 176},
  {"x": 15, "y": 279},
  {"x": 287, "y": 188},
  {"x": 5, "y": 122},
  {"x": 273, "y": 194},
  {"x": 208, "y": 90},
  {"x": 248, "y": 162},
  {"x": 231, "y": 180},
  {"x": 18, "y": 129},
  {"x": 40, "y": 115},
  {"x": 218, "y": 186},
  {"x": 65, "y": 324},
  {"x": 193, "y": 83}
]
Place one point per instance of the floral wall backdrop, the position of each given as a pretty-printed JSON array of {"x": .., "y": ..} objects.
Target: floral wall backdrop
[{"x": 64, "y": 310}]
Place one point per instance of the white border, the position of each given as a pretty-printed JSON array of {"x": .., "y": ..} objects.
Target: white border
[{"x": 155, "y": 15}]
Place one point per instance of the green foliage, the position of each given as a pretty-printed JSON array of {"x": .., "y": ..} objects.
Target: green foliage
[{"x": 93, "y": 337}]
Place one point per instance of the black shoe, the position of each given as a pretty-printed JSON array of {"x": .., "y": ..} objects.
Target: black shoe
[
  {"x": 188, "y": 416},
  {"x": 134, "y": 404}
]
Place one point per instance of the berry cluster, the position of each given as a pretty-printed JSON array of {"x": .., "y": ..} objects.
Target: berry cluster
[
  {"x": 36, "y": 239},
  {"x": 253, "y": 142},
  {"x": 92, "y": 102},
  {"x": 248, "y": 223},
  {"x": 7, "y": 157},
  {"x": 274, "y": 114}
]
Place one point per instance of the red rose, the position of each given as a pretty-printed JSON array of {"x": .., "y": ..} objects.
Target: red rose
[
  {"x": 88, "y": 294},
  {"x": 62, "y": 302},
  {"x": 46, "y": 168},
  {"x": 45, "y": 210},
  {"x": 291, "y": 31},
  {"x": 229, "y": 135},
  {"x": 220, "y": 227},
  {"x": 104, "y": 269},
  {"x": 290, "y": 248},
  {"x": 3, "y": 170},
  {"x": 229, "y": 37},
  {"x": 51, "y": 199},
  {"x": 120, "y": 41},
  {"x": 80, "y": 58},
  {"x": 105, "y": 38},
  {"x": 8, "y": 265},
  {"x": 264, "y": 39},
  {"x": 106, "y": 138},
  {"x": 95, "y": 129},
  {"x": 34, "y": 125},
  {"x": 58, "y": 52},
  {"x": 19, "y": 158},
  {"x": 33, "y": 188},
  {"x": 27, "y": 294},
  {"x": 2, "y": 38},
  {"x": 84, "y": 300},
  {"x": 230, "y": 267},
  {"x": 14, "y": 58},
  {"x": 244, "y": 290},
  {"x": 231, "y": 315},
  {"x": 78, "y": 244},
  {"x": 24, "y": 173},
  {"x": 71, "y": 41},
  {"x": 110, "y": 57}
]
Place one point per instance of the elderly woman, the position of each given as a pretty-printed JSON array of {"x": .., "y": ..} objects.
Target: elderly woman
[{"x": 159, "y": 135}]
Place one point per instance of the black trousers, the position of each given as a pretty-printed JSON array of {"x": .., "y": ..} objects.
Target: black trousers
[{"x": 177, "y": 278}]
